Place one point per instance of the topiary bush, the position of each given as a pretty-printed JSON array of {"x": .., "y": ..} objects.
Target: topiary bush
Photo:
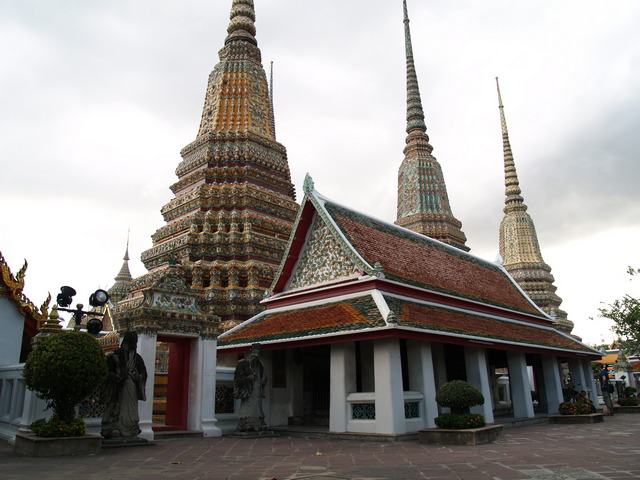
[
  {"x": 459, "y": 395},
  {"x": 63, "y": 369}
]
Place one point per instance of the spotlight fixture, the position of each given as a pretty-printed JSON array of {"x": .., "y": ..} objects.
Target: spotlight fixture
[
  {"x": 65, "y": 296},
  {"x": 98, "y": 298}
]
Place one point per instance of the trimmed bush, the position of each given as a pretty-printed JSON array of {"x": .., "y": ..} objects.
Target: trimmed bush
[
  {"x": 459, "y": 395},
  {"x": 628, "y": 401},
  {"x": 63, "y": 369},
  {"x": 576, "y": 407},
  {"x": 460, "y": 421},
  {"x": 54, "y": 427}
]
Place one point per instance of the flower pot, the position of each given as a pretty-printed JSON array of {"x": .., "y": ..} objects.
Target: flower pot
[
  {"x": 574, "y": 419},
  {"x": 31, "y": 445}
]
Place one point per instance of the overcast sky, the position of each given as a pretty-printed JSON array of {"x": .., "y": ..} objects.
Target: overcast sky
[{"x": 98, "y": 98}]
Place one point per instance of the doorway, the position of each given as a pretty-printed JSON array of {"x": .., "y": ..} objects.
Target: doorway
[{"x": 171, "y": 383}]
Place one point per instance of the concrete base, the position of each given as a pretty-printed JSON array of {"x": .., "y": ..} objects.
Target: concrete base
[
  {"x": 33, "y": 446},
  {"x": 575, "y": 419},
  {"x": 621, "y": 409},
  {"x": 472, "y": 436}
]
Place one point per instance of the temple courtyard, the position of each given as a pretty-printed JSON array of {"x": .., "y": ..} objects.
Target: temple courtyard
[{"x": 609, "y": 450}]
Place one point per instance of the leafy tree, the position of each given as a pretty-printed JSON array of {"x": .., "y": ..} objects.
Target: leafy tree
[
  {"x": 625, "y": 313},
  {"x": 63, "y": 369},
  {"x": 459, "y": 395}
]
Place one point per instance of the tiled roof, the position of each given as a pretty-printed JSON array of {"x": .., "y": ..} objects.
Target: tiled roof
[
  {"x": 344, "y": 316},
  {"x": 444, "y": 321},
  {"x": 420, "y": 261}
]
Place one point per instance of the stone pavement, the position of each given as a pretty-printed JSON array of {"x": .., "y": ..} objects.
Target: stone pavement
[{"x": 609, "y": 450}]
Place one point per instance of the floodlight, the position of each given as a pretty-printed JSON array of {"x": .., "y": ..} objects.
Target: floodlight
[
  {"x": 98, "y": 298},
  {"x": 94, "y": 326},
  {"x": 64, "y": 297}
]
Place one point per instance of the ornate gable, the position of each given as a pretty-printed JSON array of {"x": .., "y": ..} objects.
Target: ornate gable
[{"x": 323, "y": 259}]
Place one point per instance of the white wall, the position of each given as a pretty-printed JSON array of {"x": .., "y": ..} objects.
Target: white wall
[{"x": 12, "y": 325}]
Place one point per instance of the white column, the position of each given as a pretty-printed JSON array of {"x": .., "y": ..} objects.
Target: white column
[
  {"x": 422, "y": 378},
  {"x": 208, "y": 419},
  {"x": 343, "y": 382},
  {"x": 478, "y": 376},
  {"x": 520, "y": 385},
  {"x": 577, "y": 374},
  {"x": 552, "y": 383},
  {"x": 147, "y": 350},
  {"x": 590, "y": 381},
  {"x": 388, "y": 387}
]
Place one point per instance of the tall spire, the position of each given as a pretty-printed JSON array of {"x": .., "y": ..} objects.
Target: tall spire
[
  {"x": 242, "y": 25},
  {"x": 120, "y": 289},
  {"x": 519, "y": 246},
  {"x": 423, "y": 202},
  {"x": 513, "y": 201},
  {"x": 227, "y": 226},
  {"x": 415, "y": 113},
  {"x": 272, "y": 113},
  {"x": 237, "y": 97}
]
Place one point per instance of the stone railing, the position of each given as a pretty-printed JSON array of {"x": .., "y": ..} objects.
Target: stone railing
[
  {"x": 19, "y": 407},
  {"x": 362, "y": 411}
]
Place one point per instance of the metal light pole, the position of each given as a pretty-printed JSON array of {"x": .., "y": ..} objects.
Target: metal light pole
[{"x": 96, "y": 299}]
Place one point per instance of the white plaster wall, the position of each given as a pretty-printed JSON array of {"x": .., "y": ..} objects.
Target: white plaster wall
[{"x": 12, "y": 324}]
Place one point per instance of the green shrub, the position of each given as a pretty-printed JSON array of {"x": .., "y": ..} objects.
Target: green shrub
[
  {"x": 577, "y": 407},
  {"x": 63, "y": 369},
  {"x": 568, "y": 408},
  {"x": 628, "y": 401},
  {"x": 54, "y": 427},
  {"x": 459, "y": 395},
  {"x": 460, "y": 421}
]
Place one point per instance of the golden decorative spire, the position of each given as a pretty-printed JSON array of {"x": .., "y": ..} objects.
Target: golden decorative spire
[
  {"x": 519, "y": 246},
  {"x": 52, "y": 325},
  {"x": 242, "y": 24},
  {"x": 237, "y": 98},
  {"x": 423, "y": 202}
]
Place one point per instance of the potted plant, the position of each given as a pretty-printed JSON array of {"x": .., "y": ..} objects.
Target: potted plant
[
  {"x": 628, "y": 400},
  {"x": 577, "y": 408},
  {"x": 63, "y": 369},
  {"x": 460, "y": 427}
]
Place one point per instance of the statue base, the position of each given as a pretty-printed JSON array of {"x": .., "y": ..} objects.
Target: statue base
[
  {"x": 260, "y": 434},
  {"x": 125, "y": 442}
]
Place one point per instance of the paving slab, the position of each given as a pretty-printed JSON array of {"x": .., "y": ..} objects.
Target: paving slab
[{"x": 608, "y": 450}]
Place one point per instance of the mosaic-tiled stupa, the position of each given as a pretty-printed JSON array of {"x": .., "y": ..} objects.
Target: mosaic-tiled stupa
[
  {"x": 519, "y": 246},
  {"x": 234, "y": 205},
  {"x": 423, "y": 202},
  {"x": 119, "y": 290}
]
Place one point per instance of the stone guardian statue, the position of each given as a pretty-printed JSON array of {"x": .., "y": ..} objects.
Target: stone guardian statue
[
  {"x": 124, "y": 387},
  {"x": 249, "y": 381}
]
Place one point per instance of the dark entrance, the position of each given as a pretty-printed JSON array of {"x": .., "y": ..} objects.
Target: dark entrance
[
  {"x": 316, "y": 385},
  {"x": 171, "y": 383}
]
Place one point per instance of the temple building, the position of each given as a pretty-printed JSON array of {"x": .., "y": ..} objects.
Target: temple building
[
  {"x": 519, "y": 246},
  {"x": 226, "y": 231},
  {"x": 19, "y": 317},
  {"x": 360, "y": 320},
  {"x": 367, "y": 319}
]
